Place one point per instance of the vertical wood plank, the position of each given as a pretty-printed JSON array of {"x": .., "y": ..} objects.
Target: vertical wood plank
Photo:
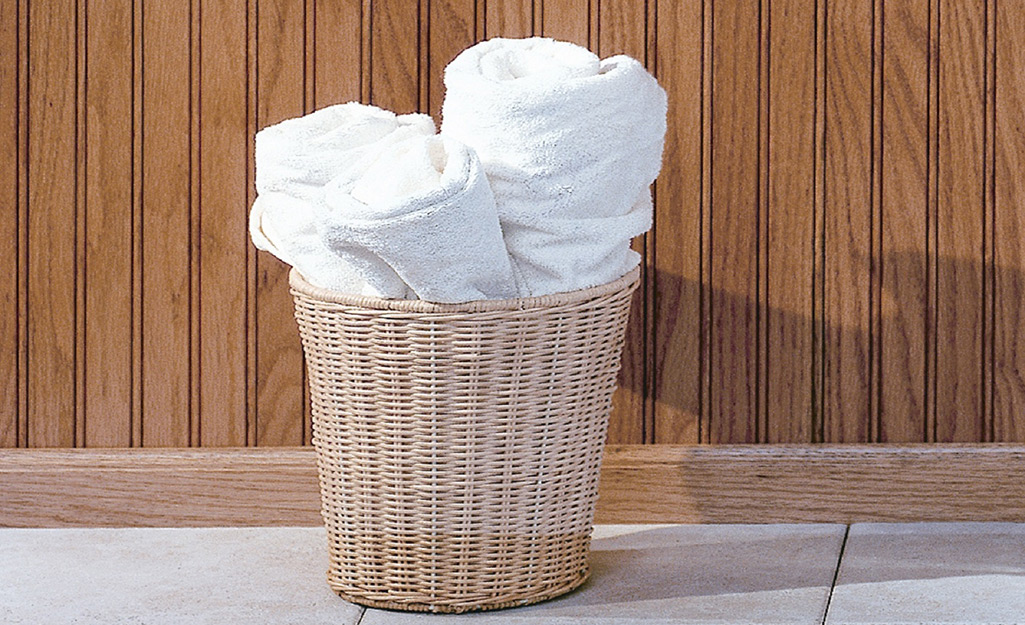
[
  {"x": 818, "y": 279},
  {"x": 394, "y": 57},
  {"x": 337, "y": 52},
  {"x": 904, "y": 221},
  {"x": 52, "y": 203},
  {"x": 848, "y": 181},
  {"x": 453, "y": 25},
  {"x": 791, "y": 235},
  {"x": 10, "y": 105},
  {"x": 513, "y": 19},
  {"x": 705, "y": 254},
  {"x": 279, "y": 380},
  {"x": 1009, "y": 229},
  {"x": 735, "y": 224},
  {"x": 764, "y": 131},
  {"x": 166, "y": 227},
  {"x": 959, "y": 332},
  {"x": 567, "y": 20},
  {"x": 223, "y": 194},
  {"x": 81, "y": 159},
  {"x": 137, "y": 168},
  {"x": 23, "y": 222},
  {"x": 677, "y": 235},
  {"x": 252, "y": 96},
  {"x": 108, "y": 296},
  {"x": 621, "y": 30},
  {"x": 988, "y": 235}
]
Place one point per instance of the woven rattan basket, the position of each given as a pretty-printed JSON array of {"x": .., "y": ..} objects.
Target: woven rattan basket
[{"x": 459, "y": 445}]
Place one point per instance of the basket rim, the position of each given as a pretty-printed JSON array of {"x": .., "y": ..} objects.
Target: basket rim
[{"x": 299, "y": 285}]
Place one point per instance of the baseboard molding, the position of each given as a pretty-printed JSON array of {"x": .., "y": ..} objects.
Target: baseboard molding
[{"x": 639, "y": 484}]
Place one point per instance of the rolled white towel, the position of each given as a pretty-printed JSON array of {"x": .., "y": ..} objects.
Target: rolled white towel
[
  {"x": 299, "y": 156},
  {"x": 285, "y": 226},
  {"x": 295, "y": 159},
  {"x": 570, "y": 145},
  {"x": 425, "y": 208}
]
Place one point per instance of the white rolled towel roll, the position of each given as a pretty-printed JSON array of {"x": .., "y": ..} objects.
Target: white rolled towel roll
[
  {"x": 425, "y": 209},
  {"x": 570, "y": 144},
  {"x": 299, "y": 156},
  {"x": 286, "y": 227},
  {"x": 295, "y": 160}
]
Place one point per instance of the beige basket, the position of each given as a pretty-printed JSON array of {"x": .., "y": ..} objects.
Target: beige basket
[{"x": 459, "y": 445}]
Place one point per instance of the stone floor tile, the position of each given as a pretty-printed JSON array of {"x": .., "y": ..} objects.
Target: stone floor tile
[
  {"x": 965, "y": 573},
  {"x": 709, "y": 574},
  {"x": 168, "y": 577}
]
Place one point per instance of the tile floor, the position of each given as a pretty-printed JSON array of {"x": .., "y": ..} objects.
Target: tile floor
[{"x": 682, "y": 574}]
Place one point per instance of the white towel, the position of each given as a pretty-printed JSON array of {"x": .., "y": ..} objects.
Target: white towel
[
  {"x": 570, "y": 145},
  {"x": 295, "y": 159},
  {"x": 299, "y": 156},
  {"x": 286, "y": 227},
  {"x": 425, "y": 208}
]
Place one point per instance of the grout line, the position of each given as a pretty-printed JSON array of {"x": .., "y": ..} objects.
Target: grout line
[
  {"x": 836, "y": 573},
  {"x": 363, "y": 612}
]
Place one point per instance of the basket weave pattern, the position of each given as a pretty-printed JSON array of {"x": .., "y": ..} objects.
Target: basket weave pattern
[{"x": 459, "y": 445}]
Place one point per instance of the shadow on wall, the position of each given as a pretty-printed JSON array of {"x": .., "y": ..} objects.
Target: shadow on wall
[{"x": 821, "y": 370}]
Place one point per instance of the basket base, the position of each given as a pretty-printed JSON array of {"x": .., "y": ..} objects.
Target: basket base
[{"x": 543, "y": 594}]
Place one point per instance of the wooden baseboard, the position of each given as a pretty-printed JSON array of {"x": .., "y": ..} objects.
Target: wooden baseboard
[{"x": 640, "y": 484}]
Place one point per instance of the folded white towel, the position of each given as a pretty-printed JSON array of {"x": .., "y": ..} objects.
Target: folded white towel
[
  {"x": 425, "y": 208},
  {"x": 570, "y": 145},
  {"x": 295, "y": 159}
]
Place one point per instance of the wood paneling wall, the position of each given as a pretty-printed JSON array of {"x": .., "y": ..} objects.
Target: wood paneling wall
[{"x": 837, "y": 253}]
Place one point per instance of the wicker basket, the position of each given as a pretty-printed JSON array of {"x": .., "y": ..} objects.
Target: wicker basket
[{"x": 459, "y": 445}]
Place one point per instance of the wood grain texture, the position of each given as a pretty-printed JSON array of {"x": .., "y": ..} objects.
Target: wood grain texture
[
  {"x": 677, "y": 238},
  {"x": 904, "y": 221},
  {"x": 10, "y": 191},
  {"x": 337, "y": 52},
  {"x": 1009, "y": 229},
  {"x": 735, "y": 224},
  {"x": 137, "y": 221},
  {"x": 566, "y": 20},
  {"x": 961, "y": 194},
  {"x": 394, "y": 58},
  {"x": 639, "y": 484},
  {"x": 848, "y": 181},
  {"x": 621, "y": 30},
  {"x": 52, "y": 203},
  {"x": 166, "y": 227},
  {"x": 791, "y": 245},
  {"x": 159, "y": 488},
  {"x": 223, "y": 225},
  {"x": 279, "y": 372},
  {"x": 835, "y": 256},
  {"x": 799, "y": 483},
  {"x": 108, "y": 226},
  {"x": 512, "y": 18}
]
